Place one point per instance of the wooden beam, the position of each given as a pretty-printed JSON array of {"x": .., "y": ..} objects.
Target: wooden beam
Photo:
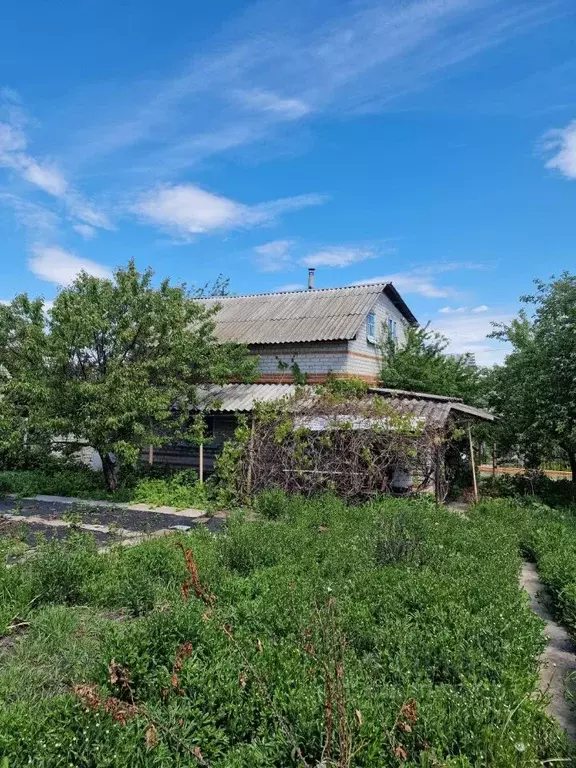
[
  {"x": 201, "y": 463},
  {"x": 150, "y": 454},
  {"x": 473, "y": 463}
]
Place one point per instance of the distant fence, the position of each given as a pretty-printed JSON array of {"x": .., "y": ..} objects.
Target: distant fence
[{"x": 556, "y": 474}]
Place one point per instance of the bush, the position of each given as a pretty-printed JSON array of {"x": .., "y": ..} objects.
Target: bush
[
  {"x": 303, "y": 636},
  {"x": 554, "y": 493},
  {"x": 272, "y": 503}
]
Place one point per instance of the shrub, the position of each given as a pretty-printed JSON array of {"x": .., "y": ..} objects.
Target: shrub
[
  {"x": 288, "y": 643},
  {"x": 272, "y": 503},
  {"x": 555, "y": 493}
]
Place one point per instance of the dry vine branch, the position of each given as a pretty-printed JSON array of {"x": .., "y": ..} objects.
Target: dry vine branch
[{"x": 352, "y": 446}]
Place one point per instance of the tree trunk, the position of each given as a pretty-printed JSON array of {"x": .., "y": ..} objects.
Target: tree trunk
[{"x": 111, "y": 469}]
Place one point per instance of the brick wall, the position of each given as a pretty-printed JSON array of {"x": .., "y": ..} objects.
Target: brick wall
[{"x": 355, "y": 358}]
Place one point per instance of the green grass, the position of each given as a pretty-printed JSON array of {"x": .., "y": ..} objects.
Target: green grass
[
  {"x": 547, "y": 537},
  {"x": 180, "y": 489},
  {"x": 400, "y": 623}
]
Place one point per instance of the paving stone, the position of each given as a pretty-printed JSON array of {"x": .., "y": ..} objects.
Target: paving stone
[
  {"x": 140, "y": 508},
  {"x": 94, "y": 528},
  {"x": 191, "y": 513},
  {"x": 202, "y": 520},
  {"x": 180, "y": 527},
  {"x": 220, "y": 515}
]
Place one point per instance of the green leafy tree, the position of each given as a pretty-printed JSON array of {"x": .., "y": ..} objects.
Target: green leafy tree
[
  {"x": 422, "y": 365},
  {"x": 120, "y": 362},
  {"x": 534, "y": 392},
  {"x": 23, "y": 385}
]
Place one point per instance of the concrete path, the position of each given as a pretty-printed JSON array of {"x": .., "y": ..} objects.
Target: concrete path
[{"x": 559, "y": 658}]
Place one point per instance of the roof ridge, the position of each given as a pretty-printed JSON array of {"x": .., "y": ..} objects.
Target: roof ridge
[{"x": 286, "y": 293}]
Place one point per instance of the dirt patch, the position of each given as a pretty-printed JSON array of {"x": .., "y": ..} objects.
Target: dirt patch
[{"x": 559, "y": 658}]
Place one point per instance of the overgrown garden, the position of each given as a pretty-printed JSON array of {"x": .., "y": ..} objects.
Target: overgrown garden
[{"x": 388, "y": 634}]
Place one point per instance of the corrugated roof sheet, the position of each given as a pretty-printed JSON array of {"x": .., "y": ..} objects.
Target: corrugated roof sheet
[
  {"x": 241, "y": 398},
  {"x": 278, "y": 318}
]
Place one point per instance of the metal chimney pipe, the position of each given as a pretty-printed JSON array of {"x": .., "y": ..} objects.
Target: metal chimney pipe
[{"x": 311, "y": 273}]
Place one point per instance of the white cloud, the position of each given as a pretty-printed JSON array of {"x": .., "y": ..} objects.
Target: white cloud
[
  {"x": 563, "y": 141},
  {"x": 416, "y": 282},
  {"x": 85, "y": 230},
  {"x": 44, "y": 174},
  {"x": 275, "y": 64},
  {"x": 274, "y": 256},
  {"x": 186, "y": 209},
  {"x": 35, "y": 218},
  {"x": 468, "y": 333},
  {"x": 481, "y": 308},
  {"x": 47, "y": 176},
  {"x": 266, "y": 101},
  {"x": 56, "y": 265},
  {"x": 422, "y": 280},
  {"x": 289, "y": 288},
  {"x": 452, "y": 310},
  {"x": 338, "y": 256}
]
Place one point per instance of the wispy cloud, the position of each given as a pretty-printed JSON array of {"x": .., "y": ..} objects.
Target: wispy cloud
[
  {"x": 274, "y": 256},
  {"x": 423, "y": 281},
  {"x": 59, "y": 266},
  {"x": 36, "y": 219},
  {"x": 85, "y": 230},
  {"x": 480, "y": 308},
  {"x": 418, "y": 282},
  {"x": 43, "y": 174},
  {"x": 452, "y": 310},
  {"x": 338, "y": 256},
  {"x": 562, "y": 142},
  {"x": 266, "y": 101},
  {"x": 274, "y": 66},
  {"x": 468, "y": 332},
  {"x": 186, "y": 209}
]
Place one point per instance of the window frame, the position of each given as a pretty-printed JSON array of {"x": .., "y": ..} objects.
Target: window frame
[{"x": 371, "y": 327}]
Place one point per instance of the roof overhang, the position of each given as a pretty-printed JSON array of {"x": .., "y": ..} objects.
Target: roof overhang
[{"x": 393, "y": 295}]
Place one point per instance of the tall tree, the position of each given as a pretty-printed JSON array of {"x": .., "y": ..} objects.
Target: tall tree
[
  {"x": 24, "y": 392},
  {"x": 122, "y": 361},
  {"x": 535, "y": 390},
  {"x": 422, "y": 365}
]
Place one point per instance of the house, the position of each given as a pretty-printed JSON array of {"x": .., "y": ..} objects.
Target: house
[
  {"x": 319, "y": 332},
  {"x": 308, "y": 336},
  {"x": 316, "y": 332}
]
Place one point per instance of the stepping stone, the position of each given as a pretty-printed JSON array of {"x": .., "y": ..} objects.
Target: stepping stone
[
  {"x": 220, "y": 515},
  {"x": 140, "y": 508},
  {"x": 94, "y": 528},
  {"x": 183, "y": 528}
]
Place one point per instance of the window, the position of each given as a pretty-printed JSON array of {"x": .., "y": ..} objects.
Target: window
[
  {"x": 392, "y": 330},
  {"x": 371, "y": 327}
]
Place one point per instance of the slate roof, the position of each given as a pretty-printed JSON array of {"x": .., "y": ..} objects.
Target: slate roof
[
  {"x": 432, "y": 409},
  {"x": 330, "y": 314}
]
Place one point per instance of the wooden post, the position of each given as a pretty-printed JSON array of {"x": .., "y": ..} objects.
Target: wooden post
[
  {"x": 250, "y": 459},
  {"x": 493, "y": 460},
  {"x": 201, "y": 463},
  {"x": 473, "y": 463},
  {"x": 150, "y": 454}
]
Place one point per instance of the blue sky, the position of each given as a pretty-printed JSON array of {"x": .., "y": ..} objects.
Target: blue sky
[{"x": 430, "y": 142}]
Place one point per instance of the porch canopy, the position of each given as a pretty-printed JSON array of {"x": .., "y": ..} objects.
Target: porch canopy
[{"x": 429, "y": 410}]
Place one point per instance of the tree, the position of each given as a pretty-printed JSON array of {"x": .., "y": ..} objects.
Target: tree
[
  {"x": 23, "y": 387},
  {"x": 535, "y": 390},
  {"x": 121, "y": 362},
  {"x": 422, "y": 365}
]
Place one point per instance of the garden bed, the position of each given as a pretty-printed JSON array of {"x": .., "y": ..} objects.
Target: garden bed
[{"x": 384, "y": 635}]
